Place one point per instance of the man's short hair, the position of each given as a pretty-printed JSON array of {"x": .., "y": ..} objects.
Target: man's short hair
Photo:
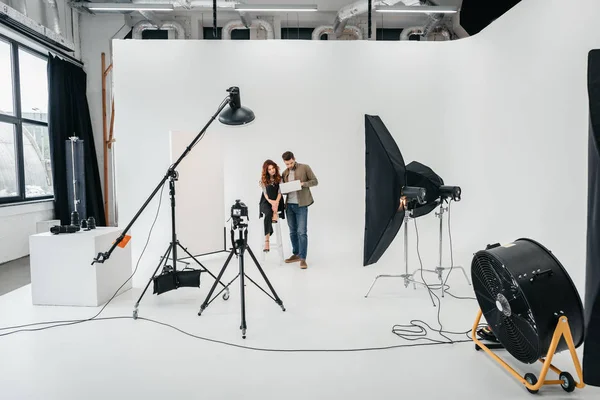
[{"x": 288, "y": 155}]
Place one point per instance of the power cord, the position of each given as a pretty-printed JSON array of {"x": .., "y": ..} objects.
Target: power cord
[
  {"x": 95, "y": 317},
  {"x": 452, "y": 256},
  {"x": 417, "y": 329}
]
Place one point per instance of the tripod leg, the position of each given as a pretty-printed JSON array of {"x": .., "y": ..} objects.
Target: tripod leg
[
  {"x": 164, "y": 259},
  {"x": 218, "y": 279},
  {"x": 277, "y": 299},
  {"x": 226, "y": 295},
  {"x": 243, "y": 325}
]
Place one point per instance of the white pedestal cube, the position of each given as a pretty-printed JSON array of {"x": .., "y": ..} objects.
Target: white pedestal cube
[{"x": 61, "y": 270}]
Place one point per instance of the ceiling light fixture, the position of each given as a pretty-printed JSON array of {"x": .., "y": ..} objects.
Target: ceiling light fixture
[
  {"x": 128, "y": 7},
  {"x": 417, "y": 9},
  {"x": 276, "y": 7}
]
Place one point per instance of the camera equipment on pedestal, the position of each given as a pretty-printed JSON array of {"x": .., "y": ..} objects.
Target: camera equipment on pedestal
[
  {"x": 239, "y": 225},
  {"x": 532, "y": 307},
  {"x": 76, "y": 187},
  {"x": 77, "y": 179},
  {"x": 170, "y": 278}
]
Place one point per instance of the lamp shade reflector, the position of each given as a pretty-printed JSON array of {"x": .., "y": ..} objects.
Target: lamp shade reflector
[{"x": 236, "y": 114}]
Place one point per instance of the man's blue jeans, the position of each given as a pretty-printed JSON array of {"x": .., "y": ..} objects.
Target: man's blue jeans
[{"x": 297, "y": 218}]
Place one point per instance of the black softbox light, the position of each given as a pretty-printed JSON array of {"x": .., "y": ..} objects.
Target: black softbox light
[
  {"x": 385, "y": 178},
  {"x": 591, "y": 350},
  {"x": 421, "y": 175}
]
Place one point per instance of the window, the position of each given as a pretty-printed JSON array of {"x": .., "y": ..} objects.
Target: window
[
  {"x": 236, "y": 34},
  {"x": 298, "y": 33},
  {"x": 25, "y": 166}
]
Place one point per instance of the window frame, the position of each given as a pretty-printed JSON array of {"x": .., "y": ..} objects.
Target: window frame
[{"x": 17, "y": 121}]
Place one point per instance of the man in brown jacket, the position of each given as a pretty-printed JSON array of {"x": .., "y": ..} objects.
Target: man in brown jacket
[{"x": 296, "y": 206}]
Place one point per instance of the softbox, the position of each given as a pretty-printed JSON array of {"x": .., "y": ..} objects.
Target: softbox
[
  {"x": 385, "y": 178},
  {"x": 421, "y": 175},
  {"x": 591, "y": 350}
]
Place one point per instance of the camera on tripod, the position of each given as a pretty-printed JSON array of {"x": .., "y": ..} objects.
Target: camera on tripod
[{"x": 239, "y": 213}]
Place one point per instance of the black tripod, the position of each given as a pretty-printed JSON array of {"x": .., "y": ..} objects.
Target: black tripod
[
  {"x": 241, "y": 244},
  {"x": 170, "y": 278}
]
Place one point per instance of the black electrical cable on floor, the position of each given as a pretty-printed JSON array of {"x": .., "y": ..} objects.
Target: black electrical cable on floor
[
  {"x": 452, "y": 255},
  {"x": 416, "y": 330},
  {"x": 95, "y": 317}
]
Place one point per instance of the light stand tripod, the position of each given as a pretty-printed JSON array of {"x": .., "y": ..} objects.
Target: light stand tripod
[
  {"x": 439, "y": 270},
  {"x": 408, "y": 278},
  {"x": 241, "y": 244},
  {"x": 236, "y": 115},
  {"x": 178, "y": 277}
]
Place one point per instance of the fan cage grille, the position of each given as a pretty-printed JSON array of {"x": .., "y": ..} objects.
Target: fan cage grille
[{"x": 516, "y": 331}]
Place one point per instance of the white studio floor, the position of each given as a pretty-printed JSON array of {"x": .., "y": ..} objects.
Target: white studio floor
[{"x": 326, "y": 309}]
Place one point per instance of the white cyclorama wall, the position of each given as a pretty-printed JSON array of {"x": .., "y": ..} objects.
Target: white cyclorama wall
[{"x": 503, "y": 114}]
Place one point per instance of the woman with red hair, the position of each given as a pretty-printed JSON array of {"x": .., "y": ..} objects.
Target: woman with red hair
[{"x": 271, "y": 201}]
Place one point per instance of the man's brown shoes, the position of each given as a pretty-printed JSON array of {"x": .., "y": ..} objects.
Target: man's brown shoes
[
  {"x": 292, "y": 259},
  {"x": 295, "y": 258}
]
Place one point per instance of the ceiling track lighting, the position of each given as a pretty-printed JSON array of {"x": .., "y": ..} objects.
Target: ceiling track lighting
[
  {"x": 127, "y": 7},
  {"x": 417, "y": 9},
  {"x": 276, "y": 7}
]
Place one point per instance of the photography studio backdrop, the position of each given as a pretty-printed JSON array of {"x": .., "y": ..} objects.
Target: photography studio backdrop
[{"x": 503, "y": 114}]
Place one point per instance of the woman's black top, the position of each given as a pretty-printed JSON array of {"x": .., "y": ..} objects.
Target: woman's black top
[{"x": 272, "y": 191}]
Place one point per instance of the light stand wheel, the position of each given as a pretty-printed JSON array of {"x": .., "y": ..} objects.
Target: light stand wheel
[
  {"x": 226, "y": 295},
  {"x": 135, "y": 313},
  {"x": 568, "y": 383},
  {"x": 532, "y": 380}
]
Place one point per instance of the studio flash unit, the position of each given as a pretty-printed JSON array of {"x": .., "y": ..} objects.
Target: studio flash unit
[{"x": 450, "y": 192}]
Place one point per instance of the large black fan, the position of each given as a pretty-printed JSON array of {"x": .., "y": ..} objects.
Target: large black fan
[{"x": 522, "y": 289}]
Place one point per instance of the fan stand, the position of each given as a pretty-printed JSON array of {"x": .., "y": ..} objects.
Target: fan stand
[
  {"x": 529, "y": 380},
  {"x": 408, "y": 278},
  {"x": 439, "y": 270}
]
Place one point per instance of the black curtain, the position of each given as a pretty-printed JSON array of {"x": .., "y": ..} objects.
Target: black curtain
[
  {"x": 591, "y": 352},
  {"x": 69, "y": 115}
]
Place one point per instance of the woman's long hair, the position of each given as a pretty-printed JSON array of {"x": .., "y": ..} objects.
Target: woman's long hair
[{"x": 266, "y": 177}]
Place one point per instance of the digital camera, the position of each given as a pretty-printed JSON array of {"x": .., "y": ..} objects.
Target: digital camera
[{"x": 239, "y": 211}]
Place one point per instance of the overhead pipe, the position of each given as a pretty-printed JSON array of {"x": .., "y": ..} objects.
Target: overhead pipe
[
  {"x": 328, "y": 29},
  {"x": 52, "y": 19},
  {"x": 408, "y": 32},
  {"x": 434, "y": 22},
  {"x": 147, "y": 25},
  {"x": 361, "y": 7},
  {"x": 19, "y": 5},
  {"x": 238, "y": 24},
  {"x": 191, "y": 4}
]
